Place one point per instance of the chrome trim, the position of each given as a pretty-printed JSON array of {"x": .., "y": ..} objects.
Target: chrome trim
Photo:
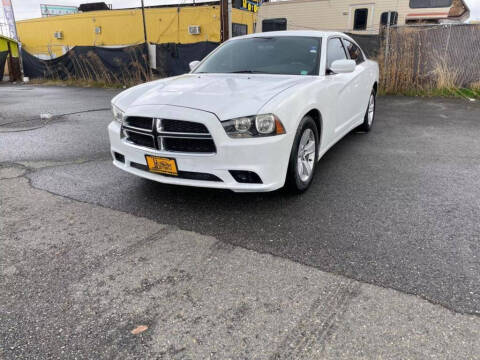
[
  {"x": 141, "y": 133},
  {"x": 183, "y": 133},
  {"x": 185, "y": 136},
  {"x": 161, "y": 143},
  {"x": 158, "y": 124}
]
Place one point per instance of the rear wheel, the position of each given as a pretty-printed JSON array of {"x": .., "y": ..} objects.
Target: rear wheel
[
  {"x": 303, "y": 158},
  {"x": 369, "y": 115}
]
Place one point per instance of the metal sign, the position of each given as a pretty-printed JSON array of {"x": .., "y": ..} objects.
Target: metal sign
[
  {"x": 251, "y": 5},
  {"x": 56, "y": 10},
  {"x": 8, "y": 11}
]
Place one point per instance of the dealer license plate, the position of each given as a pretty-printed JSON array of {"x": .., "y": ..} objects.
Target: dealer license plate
[{"x": 162, "y": 165}]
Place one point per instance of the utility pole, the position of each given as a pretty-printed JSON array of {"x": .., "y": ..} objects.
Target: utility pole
[
  {"x": 229, "y": 19},
  {"x": 144, "y": 25},
  {"x": 12, "y": 27},
  {"x": 225, "y": 20},
  {"x": 146, "y": 41}
]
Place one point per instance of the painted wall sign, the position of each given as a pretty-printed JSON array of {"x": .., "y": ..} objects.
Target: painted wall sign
[
  {"x": 250, "y": 5},
  {"x": 56, "y": 10}
]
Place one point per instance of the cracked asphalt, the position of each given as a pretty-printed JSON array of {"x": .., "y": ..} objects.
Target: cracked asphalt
[{"x": 379, "y": 259}]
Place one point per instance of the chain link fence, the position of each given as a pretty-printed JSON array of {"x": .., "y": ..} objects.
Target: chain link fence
[{"x": 429, "y": 57}]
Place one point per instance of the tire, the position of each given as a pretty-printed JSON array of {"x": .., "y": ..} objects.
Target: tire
[
  {"x": 369, "y": 114},
  {"x": 303, "y": 161}
]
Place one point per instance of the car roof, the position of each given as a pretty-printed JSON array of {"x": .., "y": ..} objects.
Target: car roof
[{"x": 309, "y": 33}]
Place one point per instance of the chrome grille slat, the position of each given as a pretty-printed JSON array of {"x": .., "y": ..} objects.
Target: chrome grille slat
[
  {"x": 138, "y": 135},
  {"x": 185, "y": 136}
]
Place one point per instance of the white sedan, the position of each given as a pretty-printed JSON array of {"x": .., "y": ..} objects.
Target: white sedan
[{"x": 255, "y": 115}]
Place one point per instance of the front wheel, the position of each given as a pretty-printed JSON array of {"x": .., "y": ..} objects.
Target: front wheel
[
  {"x": 369, "y": 114},
  {"x": 303, "y": 157}
]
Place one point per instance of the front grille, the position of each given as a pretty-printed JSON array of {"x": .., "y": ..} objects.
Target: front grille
[
  {"x": 189, "y": 145},
  {"x": 170, "y": 135},
  {"x": 183, "y": 127}
]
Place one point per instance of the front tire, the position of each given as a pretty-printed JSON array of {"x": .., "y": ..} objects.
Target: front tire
[
  {"x": 370, "y": 114},
  {"x": 303, "y": 157}
]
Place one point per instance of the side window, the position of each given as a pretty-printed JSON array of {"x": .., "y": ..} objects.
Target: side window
[
  {"x": 393, "y": 18},
  {"x": 335, "y": 51},
  {"x": 354, "y": 51},
  {"x": 274, "y": 24},
  {"x": 418, "y": 4},
  {"x": 360, "y": 19},
  {"x": 239, "y": 29}
]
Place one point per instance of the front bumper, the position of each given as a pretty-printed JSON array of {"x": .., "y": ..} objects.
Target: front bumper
[{"x": 268, "y": 156}]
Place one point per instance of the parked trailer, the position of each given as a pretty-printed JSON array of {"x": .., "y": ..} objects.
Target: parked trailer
[{"x": 357, "y": 16}]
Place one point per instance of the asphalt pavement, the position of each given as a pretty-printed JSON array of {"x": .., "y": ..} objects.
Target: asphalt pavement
[{"x": 390, "y": 213}]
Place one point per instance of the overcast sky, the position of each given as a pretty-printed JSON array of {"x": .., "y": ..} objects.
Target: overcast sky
[{"x": 26, "y": 9}]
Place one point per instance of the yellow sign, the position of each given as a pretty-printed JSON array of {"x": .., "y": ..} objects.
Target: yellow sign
[{"x": 249, "y": 5}]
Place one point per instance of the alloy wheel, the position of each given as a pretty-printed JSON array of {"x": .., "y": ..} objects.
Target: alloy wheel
[
  {"x": 306, "y": 155},
  {"x": 371, "y": 109}
]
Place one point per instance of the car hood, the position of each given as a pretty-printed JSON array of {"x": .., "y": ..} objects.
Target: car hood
[{"x": 225, "y": 95}]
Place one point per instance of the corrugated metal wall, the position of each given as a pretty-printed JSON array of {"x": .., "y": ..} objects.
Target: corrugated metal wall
[{"x": 124, "y": 27}]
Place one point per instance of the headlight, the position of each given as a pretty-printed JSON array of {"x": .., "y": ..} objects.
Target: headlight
[
  {"x": 251, "y": 126},
  {"x": 118, "y": 114}
]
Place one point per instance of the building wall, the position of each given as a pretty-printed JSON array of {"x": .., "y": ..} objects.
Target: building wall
[
  {"x": 124, "y": 27},
  {"x": 338, "y": 14},
  {"x": 245, "y": 17}
]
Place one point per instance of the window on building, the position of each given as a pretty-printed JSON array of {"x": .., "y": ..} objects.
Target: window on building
[
  {"x": 393, "y": 18},
  {"x": 335, "y": 51},
  {"x": 239, "y": 29},
  {"x": 417, "y": 4},
  {"x": 274, "y": 24},
  {"x": 360, "y": 19},
  {"x": 354, "y": 51}
]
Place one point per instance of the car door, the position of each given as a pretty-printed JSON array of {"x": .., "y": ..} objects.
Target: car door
[
  {"x": 360, "y": 82},
  {"x": 340, "y": 84}
]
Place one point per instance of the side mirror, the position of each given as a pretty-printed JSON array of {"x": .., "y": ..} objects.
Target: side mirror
[
  {"x": 193, "y": 64},
  {"x": 343, "y": 66}
]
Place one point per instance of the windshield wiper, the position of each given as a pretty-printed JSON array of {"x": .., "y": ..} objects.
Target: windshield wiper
[{"x": 247, "y": 72}]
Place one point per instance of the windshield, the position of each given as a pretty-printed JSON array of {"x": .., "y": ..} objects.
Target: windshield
[{"x": 289, "y": 55}]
